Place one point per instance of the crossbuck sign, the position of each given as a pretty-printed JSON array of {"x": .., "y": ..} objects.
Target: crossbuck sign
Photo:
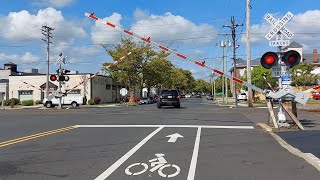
[{"x": 278, "y": 26}]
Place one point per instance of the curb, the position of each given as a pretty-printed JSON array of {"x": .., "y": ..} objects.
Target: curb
[{"x": 309, "y": 157}]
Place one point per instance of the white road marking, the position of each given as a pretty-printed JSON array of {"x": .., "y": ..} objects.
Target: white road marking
[
  {"x": 173, "y": 137},
  {"x": 167, "y": 126},
  {"x": 193, "y": 164},
  {"x": 118, "y": 163}
]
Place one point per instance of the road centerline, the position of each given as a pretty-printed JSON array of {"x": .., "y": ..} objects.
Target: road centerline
[
  {"x": 118, "y": 163},
  {"x": 34, "y": 136}
]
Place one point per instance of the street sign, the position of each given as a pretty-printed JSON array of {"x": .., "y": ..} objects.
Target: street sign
[
  {"x": 278, "y": 25},
  {"x": 123, "y": 92},
  {"x": 285, "y": 79}
]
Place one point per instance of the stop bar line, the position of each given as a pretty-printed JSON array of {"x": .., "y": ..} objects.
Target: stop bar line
[{"x": 168, "y": 126}]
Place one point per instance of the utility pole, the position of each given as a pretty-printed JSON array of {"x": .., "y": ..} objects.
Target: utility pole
[
  {"x": 233, "y": 27},
  {"x": 225, "y": 44},
  {"x": 248, "y": 50},
  {"x": 46, "y": 31}
]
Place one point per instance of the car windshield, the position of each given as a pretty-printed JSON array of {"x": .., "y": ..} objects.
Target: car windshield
[{"x": 169, "y": 93}]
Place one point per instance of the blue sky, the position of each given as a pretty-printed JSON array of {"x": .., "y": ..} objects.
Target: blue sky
[{"x": 190, "y": 27}]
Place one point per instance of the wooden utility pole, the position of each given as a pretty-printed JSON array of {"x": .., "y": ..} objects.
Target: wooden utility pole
[
  {"x": 46, "y": 31},
  {"x": 248, "y": 50},
  {"x": 233, "y": 27}
]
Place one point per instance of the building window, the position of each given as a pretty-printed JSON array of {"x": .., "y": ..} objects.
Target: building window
[
  {"x": 108, "y": 87},
  {"x": 26, "y": 92},
  {"x": 114, "y": 87},
  {"x": 74, "y": 91}
]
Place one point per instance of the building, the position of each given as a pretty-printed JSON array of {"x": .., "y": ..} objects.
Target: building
[
  {"x": 32, "y": 85},
  {"x": 8, "y": 70},
  {"x": 25, "y": 87},
  {"x": 241, "y": 67}
]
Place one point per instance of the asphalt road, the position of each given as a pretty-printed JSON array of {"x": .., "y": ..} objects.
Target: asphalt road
[{"x": 131, "y": 143}]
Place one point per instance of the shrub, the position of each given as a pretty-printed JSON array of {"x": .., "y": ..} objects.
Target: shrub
[
  {"x": 27, "y": 103},
  {"x": 15, "y": 101},
  {"x": 91, "y": 102},
  {"x": 7, "y": 102},
  {"x": 37, "y": 102},
  {"x": 97, "y": 100}
]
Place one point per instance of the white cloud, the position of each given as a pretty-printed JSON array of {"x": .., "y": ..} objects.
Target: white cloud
[
  {"x": 26, "y": 58},
  {"x": 27, "y": 27},
  {"x": 102, "y": 34},
  {"x": 140, "y": 14},
  {"x": 54, "y": 3},
  {"x": 172, "y": 27},
  {"x": 305, "y": 27}
]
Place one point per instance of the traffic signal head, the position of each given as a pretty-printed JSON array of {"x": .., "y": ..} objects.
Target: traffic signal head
[
  {"x": 269, "y": 59},
  {"x": 291, "y": 58},
  {"x": 53, "y": 77}
]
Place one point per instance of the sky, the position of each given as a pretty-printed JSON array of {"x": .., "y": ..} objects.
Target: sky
[{"x": 192, "y": 28}]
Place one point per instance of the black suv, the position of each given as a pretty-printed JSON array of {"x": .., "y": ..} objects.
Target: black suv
[{"x": 169, "y": 98}]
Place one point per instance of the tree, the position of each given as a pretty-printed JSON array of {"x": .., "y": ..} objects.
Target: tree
[
  {"x": 202, "y": 86},
  {"x": 180, "y": 79},
  {"x": 301, "y": 75},
  {"x": 130, "y": 70},
  {"x": 257, "y": 74},
  {"x": 157, "y": 71}
]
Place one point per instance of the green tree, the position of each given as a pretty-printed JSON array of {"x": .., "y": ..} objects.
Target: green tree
[
  {"x": 130, "y": 70},
  {"x": 202, "y": 86},
  {"x": 180, "y": 79},
  {"x": 301, "y": 75},
  {"x": 157, "y": 71},
  {"x": 257, "y": 79}
]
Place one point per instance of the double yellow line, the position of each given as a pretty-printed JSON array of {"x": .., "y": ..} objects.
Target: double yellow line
[{"x": 26, "y": 138}]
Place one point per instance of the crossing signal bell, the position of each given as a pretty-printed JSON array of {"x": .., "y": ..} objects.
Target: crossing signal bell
[
  {"x": 290, "y": 58},
  {"x": 269, "y": 59}
]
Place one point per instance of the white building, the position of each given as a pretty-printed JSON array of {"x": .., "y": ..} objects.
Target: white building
[{"x": 25, "y": 87}]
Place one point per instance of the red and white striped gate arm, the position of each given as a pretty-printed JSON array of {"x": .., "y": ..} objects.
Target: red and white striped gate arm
[
  {"x": 312, "y": 89},
  {"x": 34, "y": 86},
  {"x": 102, "y": 69},
  {"x": 164, "y": 48}
]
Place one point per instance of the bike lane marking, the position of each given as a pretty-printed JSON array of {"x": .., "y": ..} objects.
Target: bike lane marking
[
  {"x": 193, "y": 164},
  {"x": 118, "y": 163}
]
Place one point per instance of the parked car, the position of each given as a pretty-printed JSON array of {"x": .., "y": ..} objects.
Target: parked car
[
  {"x": 52, "y": 101},
  {"x": 169, "y": 98},
  {"x": 136, "y": 99},
  {"x": 242, "y": 97},
  {"x": 316, "y": 95},
  {"x": 198, "y": 95},
  {"x": 182, "y": 96},
  {"x": 146, "y": 101},
  {"x": 188, "y": 95},
  {"x": 209, "y": 97}
]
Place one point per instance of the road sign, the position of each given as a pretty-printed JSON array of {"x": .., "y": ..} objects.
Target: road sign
[
  {"x": 278, "y": 25},
  {"x": 123, "y": 92},
  {"x": 279, "y": 43},
  {"x": 285, "y": 79},
  {"x": 278, "y": 71}
]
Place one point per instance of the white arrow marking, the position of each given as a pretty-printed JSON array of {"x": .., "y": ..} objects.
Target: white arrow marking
[{"x": 174, "y": 137}]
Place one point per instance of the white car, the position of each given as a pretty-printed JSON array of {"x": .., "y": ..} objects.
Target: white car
[
  {"x": 188, "y": 96},
  {"x": 52, "y": 101},
  {"x": 242, "y": 97}
]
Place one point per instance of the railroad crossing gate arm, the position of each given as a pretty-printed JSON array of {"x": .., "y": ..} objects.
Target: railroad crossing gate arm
[{"x": 301, "y": 97}]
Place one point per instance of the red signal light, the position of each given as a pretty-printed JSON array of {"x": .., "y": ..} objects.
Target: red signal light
[
  {"x": 269, "y": 59},
  {"x": 53, "y": 77},
  {"x": 291, "y": 58}
]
